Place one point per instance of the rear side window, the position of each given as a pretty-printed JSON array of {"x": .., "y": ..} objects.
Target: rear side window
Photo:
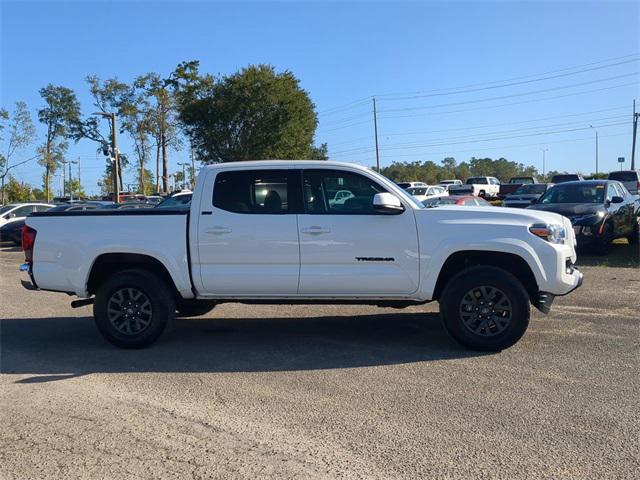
[
  {"x": 252, "y": 191},
  {"x": 624, "y": 176}
]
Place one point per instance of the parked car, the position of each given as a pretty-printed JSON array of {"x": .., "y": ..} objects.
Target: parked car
[
  {"x": 629, "y": 178},
  {"x": 74, "y": 207},
  {"x": 460, "y": 200},
  {"x": 513, "y": 185},
  {"x": 405, "y": 185},
  {"x": 154, "y": 199},
  {"x": 18, "y": 211},
  {"x": 12, "y": 231},
  {"x": 485, "y": 187},
  {"x": 422, "y": 193},
  {"x": 600, "y": 211},
  {"x": 526, "y": 194},
  {"x": 127, "y": 206},
  {"x": 265, "y": 232},
  {"x": 447, "y": 183},
  {"x": 566, "y": 177},
  {"x": 179, "y": 200}
]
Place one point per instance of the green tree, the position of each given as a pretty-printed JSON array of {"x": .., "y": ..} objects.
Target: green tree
[
  {"x": 18, "y": 191},
  {"x": 73, "y": 186},
  {"x": 20, "y": 133},
  {"x": 61, "y": 117},
  {"x": 253, "y": 114}
]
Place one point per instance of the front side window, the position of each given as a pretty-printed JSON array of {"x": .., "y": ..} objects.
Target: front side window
[
  {"x": 252, "y": 191},
  {"x": 321, "y": 187}
]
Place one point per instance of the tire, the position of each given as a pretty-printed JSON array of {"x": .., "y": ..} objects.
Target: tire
[
  {"x": 482, "y": 194},
  {"x": 146, "y": 305},
  {"x": 634, "y": 238},
  {"x": 194, "y": 308},
  {"x": 603, "y": 244},
  {"x": 499, "y": 328}
]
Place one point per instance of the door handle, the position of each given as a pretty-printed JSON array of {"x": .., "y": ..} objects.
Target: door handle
[
  {"x": 315, "y": 230},
  {"x": 218, "y": 230}
]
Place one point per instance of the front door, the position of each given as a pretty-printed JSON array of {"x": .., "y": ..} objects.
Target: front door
[
  {"x": 347, "y": 248},
  {"x": 248, "y": 235}
]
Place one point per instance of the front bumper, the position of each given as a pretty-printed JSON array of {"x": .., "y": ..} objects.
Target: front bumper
[
  {"x": 543, "y": 300},
  {"x": 588, "y": 234}
]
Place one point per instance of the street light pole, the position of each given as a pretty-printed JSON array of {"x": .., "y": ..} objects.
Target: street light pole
[
  {"x": 184, "y": 179},
  {"x": 544, "y": 158}
]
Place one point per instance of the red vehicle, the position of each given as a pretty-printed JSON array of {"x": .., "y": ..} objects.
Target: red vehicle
[{"x": 464, "y": 200}]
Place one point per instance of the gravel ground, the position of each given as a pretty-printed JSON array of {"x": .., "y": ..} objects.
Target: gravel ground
[{"x": 323, "y": 392}]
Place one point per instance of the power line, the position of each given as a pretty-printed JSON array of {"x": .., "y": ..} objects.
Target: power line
[
  {"x": 502, "y": 97},
  {"x": 478, "y": 89},
  {"x": 454, "y": 140}
]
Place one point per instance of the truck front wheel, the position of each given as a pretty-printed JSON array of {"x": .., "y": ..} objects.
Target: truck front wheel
[
  {"x": 485, "y": 308},
  {"x": 132, "y": 308}
]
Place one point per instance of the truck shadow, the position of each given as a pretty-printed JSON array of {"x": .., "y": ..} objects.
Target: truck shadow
[{"x": 60, "y": 348}]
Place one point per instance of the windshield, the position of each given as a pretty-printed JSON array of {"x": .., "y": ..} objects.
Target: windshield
[
  {"x": 6, "y": 208},
  {"x": 178, "y": 201},
  {"x": 434, "y": 202},
  {"x": 574, "y": 193},
  {"x": 534, "y": 188}
]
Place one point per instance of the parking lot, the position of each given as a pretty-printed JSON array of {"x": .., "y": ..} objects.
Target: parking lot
[{"x": 323, "y": 392}]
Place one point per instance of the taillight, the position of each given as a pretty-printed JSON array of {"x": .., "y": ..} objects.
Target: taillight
[{"x": 28, "y": 240}]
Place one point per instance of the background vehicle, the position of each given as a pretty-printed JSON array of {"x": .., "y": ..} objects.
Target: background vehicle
[
  {"x": 405, "y": 185},
  {"x": 600, "y": 211},
  {"x": 447, "y": 183},
  {"x": 18, "y": 211},
  {"x": 460, "y": 200},
  {"x": 629, "y": 178},
  {"x": 179, "y": 200},
  {"x": 525, "y": 194},
  {"x": 266, "y": 232},
  {"x": 485, "y": 187},
  {"x": 154, "y": 199},
  {"x": 422, "y": 193},
  {"x": 514, "y": 184},
  {"x": 127, "y": 206},
  {"x": 566, "y": 177}
]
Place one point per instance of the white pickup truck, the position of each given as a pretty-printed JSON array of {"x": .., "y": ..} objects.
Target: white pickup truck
[
  {"x": 485, "y": 187},
  {"x": 272, "y": 232}
]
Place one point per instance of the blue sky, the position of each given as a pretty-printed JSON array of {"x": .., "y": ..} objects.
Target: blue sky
[{"x": 344, "y": 53}]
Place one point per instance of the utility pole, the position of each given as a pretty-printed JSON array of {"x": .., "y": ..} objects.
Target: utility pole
[
  {"x": 70, "y": 184},
  {"x": 193, "y": 168},
  {"x": 64, "y": 177},
  {"x": 184, "y": 179},
  {"x": 114, "y": 153},
  {"x": 635, "y": 131},
  {"x": 375, "y": 129},
  {"x": 596, "y": 130},
  {"x": 544, "y": 158},
  {"x": 79, "y": 182}
]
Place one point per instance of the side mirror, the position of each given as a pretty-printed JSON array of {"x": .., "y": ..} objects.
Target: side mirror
[
  {"x": 616, "y": 199},
  {"x": 387, "y": 203}
]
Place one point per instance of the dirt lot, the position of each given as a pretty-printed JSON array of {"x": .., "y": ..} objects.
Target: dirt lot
[{"x": 323, "y": 392}]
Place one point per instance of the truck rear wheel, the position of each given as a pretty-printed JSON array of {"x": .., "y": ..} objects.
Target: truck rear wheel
[
  {"x": 194, "y": 308},
  {"x": 133, "y": 308},
  {"x": 485, "y": 308}
]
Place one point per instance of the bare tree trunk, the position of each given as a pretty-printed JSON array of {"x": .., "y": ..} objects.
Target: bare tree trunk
[
  {"x": 165, "y": 163},
  {"x": 158, "y": 167}
]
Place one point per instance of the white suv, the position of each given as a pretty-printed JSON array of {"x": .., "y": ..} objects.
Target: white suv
[{"x": 19, "y": 211}]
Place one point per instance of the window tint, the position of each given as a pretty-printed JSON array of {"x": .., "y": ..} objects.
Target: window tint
[
  {"x": 477, "y": 181},
  {"x": 41, "y": 208},
  {"x": 321, "y": 186},
  {"x": 417, "y": 191},
  {"x": 252, "y": 191},
  {"x": 625, "y": 176},
  {"x": 23, "y": 211},
  {"x": 621, "y": 189}
]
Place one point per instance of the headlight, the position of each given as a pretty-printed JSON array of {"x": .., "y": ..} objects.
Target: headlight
[{"x": 549, "y": 232}]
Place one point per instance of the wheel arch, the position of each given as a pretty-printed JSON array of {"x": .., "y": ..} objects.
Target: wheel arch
[
  {"x": 107, "y": 264},
  {"x": 510, "y": 262}
]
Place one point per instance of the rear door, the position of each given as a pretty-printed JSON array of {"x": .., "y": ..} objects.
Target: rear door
[
  {"x": 248, "y": 235},
  {"x": 349, "y": 249}
]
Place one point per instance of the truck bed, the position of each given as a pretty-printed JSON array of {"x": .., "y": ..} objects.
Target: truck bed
[{"x": 69, "y": 243}]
